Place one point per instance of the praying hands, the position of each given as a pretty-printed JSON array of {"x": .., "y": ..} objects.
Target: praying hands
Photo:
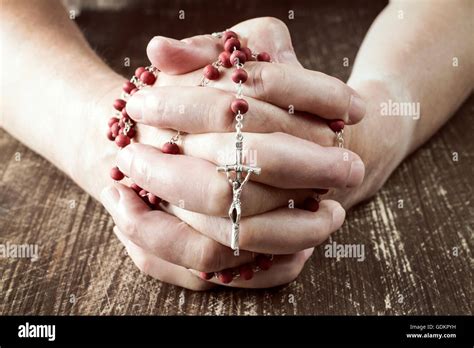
[{"x": 291, "y": 131}]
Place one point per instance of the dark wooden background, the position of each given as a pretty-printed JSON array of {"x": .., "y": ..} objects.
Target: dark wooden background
[{"x": 411, "y": 265}]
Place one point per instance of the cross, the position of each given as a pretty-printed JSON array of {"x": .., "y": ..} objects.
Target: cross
[{"x": 237, "y": 185}]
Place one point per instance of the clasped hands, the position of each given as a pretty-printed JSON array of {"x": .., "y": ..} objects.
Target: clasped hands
[{"x": 286, "y": 131}]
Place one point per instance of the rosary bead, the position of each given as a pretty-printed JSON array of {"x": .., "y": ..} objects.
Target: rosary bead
[
  {"x": 139, "y": 71},
  {"x": 263, "y": 262},
  {"x": 232, "y": 44},
  {"x": 122, "y": 140},
  {"x": 119, "y": 104},
  {"x": 154, "y": 200},
  {"x": 147, "y": 78},
  {"x": 131, "y": 133},
  {"x": 115, "y": 129},
  {"x": 224, "y": 58},
  {"x": 263, "y": 57},
  {"x": 246, "y": 272},
  {"x": 311, "y": 204},
  {"x": 238, "y": 57},
  {"x": 135, "y": 187},
  {"x": 170, "y": 148},
  {"x": 133, "y": 91},
  {"x": 112, "y": 120},
  {"x": 321, "y": 191},
  {"x": 110, "y": 136},
  {"x": 226, "y": 275},
  {"x": 143, "y": 193},
  {"x": 128, "y": 87},
  {"x": 229, "y": 34},
  {"x": 211, "y": 72},
  {"x": 239, "y": 105},
  {"x": 239, "y": 75},
  {"x": 248, "y": 52},
  {"x": 206, "y": 276},
  {"x": 336, "y": 125},
  {"x": 116, "y": 174}
]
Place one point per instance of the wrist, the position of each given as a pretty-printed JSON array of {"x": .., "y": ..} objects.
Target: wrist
[{"x": 94, "y": 154}]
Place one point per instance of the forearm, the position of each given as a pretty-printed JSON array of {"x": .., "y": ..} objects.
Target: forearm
[
  {"x": 420, "y": 52},
  {"x": 54, "y": 89}
]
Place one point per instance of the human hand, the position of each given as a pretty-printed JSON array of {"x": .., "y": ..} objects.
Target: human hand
[{"x": 274, "y": 244}]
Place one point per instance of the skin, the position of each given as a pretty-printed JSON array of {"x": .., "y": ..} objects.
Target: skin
[{"x": 380, "y": 73}]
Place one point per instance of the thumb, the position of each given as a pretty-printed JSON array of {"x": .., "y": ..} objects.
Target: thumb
[{"x": 260, "y": 34}]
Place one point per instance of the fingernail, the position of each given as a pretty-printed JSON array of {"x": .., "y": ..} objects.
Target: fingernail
[
  {"x": 109, "y": 197},
  {"x": 356, "y": 108},
  {"x": 168, "y": 40},
  {"x": 338, "y": 216},
  {"x": 134, "y": 106},
  {"x": 356, "y": 173}
]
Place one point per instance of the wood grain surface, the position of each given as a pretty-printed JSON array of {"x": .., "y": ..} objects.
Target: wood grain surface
[{"x": 418, "y": 257}]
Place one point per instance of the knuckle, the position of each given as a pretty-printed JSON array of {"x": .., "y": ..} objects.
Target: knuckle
[
  {"x": 219, "y": 197},
  {"x": 209, "y": 257},
  {"x": 272, "y": 23},
  {"x": 220, "y": 113},
  {"x": 130, "y": 229}
]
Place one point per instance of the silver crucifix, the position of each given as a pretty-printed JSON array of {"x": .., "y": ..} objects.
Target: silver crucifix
[{"x": 237, "y": 182}]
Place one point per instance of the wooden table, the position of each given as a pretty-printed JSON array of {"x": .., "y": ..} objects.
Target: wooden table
[{"x": 418, "y": 258}]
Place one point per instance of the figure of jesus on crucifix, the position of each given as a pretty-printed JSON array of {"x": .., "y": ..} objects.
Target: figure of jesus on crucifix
[{"x": 237, "y": 182}]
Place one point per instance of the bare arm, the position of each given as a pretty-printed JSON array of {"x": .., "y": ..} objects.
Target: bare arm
[
  {"x": 415, "y": 52},
  {"x": 55, "y": 91}
]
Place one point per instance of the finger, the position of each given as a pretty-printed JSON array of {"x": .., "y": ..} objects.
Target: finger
[
  {"x": 286, "y": 161},
  {"x": 286, "y": 85},
  {"x": 195, "y": 184},
  {"x": 177, "y": 57},
  {"x": 281, "y": 231},
  {"x": 164, "y": 235},
  {"x": 284, "y": 270},
  {"x": 161, "y": 269},
  {"x": 204, "y": 110}
]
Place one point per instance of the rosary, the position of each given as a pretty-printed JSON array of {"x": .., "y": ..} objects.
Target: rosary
[{"x": 122, "y": 130}]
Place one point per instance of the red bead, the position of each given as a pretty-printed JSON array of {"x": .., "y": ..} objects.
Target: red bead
[
  {"x": 229, "y": 34},
  {"x": 133, "y": 91},
  {"x": 206, "y": 275},
  {"x": 211, "y": 72},
  {"x": 139, "y": 71},
  {"x": 154, "y": 200},
  {"x": 135, "y": 187},
  {"x": 239, "y": 105},
  {"x": 263, "y": 57},
  {"x": 238, "y": 57},
  {"x": 311, "y": 204},
  {"x": 116, "y": 174},
  {"x": 226, "y": 275},
  {"x": 131, "y": 133},
  {"x": 336, "y": 125},
  {"x": 119, "y": 104},
  {"x": 263, "y": 262},
  {"x": 122, "y": 140},
  {"x": 170, "y": 148},
  {"x": 128, "y": 87},
  {"x": 115, "y": 129},
  {"x": 239, "y": 75},
  {"x": 110, "y": 136},
  {"x": 147, "y": 78},
  {"x": 224, "y": 58},
  {"x": 231, "y": 45},
  {"x": 112, "y": 120},
  {"x": 246, "y": 272},
  {"x": 321, "y": 191},
  {"x": 248, "y": 52},
  {"x": 124, "y": 113},
  {"x": 143, "y": 193}
]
